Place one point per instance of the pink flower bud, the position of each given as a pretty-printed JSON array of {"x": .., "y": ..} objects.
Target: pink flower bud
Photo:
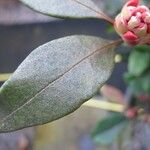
[
  {"x": 127, "y": 12},
  {"x": 142, "y": 9},
  {"x": 133, "y": 23},
  {"x": 133, "y": 3},
  {"x": 130, "y": 38},
  {"x": 146, "y": 17},
  {"x": 139, "y": 15},
  {"x": 141, "y": 30},
  {"x": 144, "y": 98},
  {"x": 120, "y": 25},
  {"x": 148, "y": 28},
  {"x": 131, "y": 113}
]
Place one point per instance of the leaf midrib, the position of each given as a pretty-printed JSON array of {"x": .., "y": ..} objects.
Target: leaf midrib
[
  {"x": 102, "y": 15},
  {"x": 114, "y": 43},
  {"x": 90, "y": 8}
]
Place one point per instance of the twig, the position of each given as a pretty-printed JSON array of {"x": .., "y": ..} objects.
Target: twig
[
  {"x": 105, "y": 105},
  {"x": 4, "y": 76}
]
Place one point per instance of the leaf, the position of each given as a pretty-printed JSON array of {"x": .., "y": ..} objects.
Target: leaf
[
  {"x": 143, "y": 48},
  {"x": 108, "y": 129},
  {"x": 112, "y": 7},
  {"x": 146, "y": 2},
  {"x": 54, "y": 80},
  {"x": 141, "y": 85},
  {"x": 67, "y": 8},
  {"x": 139, "y": 61},
  {"x": 128, "y": 77}
]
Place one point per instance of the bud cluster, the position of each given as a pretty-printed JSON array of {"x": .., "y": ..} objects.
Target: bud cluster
[{"x": 133, "y": 23}]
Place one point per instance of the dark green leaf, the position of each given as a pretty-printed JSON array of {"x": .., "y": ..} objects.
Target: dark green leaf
[
  {"x": 67, "y": 8},
  {"x": 108, "y": 129},
  {"x": 54, "y": 80},
  {"x": 139, "y": 61},
  {"x": 141, "y": 85},
  {"x": 128, "y": 77},
  {"x": 143, "y": 48}
]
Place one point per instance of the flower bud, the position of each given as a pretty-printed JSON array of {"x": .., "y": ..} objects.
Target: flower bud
[
  {"x": 148, "y": 28},
  {"x": 133, "y": 3},
  {"x": 130, "y": 38},
  {"x": 131, "y": 113},
  {"x": 144, "y": 98},
  {"x": 146, "y": 17},
  {"x": 141, "y": 30},
  {"x": 120, "y": 25},
  {"x": 133, "y": 23}
]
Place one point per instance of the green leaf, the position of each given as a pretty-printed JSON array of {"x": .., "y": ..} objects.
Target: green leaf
[
  {"x": 143, "y": 48},
  {"x": 128, "y": 77},
  {"x": 139, "y": 61},
  {"x": 54, "y": 80},
  {"x": 108, "y": 129},
  {"x": 67, "y": 8},
  {"x": 145, "y": 2},
  {"x": 141, "y": 85}
]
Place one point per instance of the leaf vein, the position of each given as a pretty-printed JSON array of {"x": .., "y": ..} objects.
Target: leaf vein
[{"x": 114, "y": 43}]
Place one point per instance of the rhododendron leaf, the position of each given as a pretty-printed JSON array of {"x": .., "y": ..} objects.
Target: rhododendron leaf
[
  {"x": 141, "y": 85},
  {"x": 139, "y": 61},
  {"x": 55, "y": 80},
  {"x": 67, "y": 8},
  {"x": 109, "y": 128}
]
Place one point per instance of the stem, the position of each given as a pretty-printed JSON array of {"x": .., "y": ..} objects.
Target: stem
[
  {"x": 119, "y": 41},
  {"x": 105, "y": 105},
  {"x": 4, "y": 76}
]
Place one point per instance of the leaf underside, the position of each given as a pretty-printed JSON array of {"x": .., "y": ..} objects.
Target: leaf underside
[
  {"x": 66, "y": 8},
  {"x": 54, "y": 80}
]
